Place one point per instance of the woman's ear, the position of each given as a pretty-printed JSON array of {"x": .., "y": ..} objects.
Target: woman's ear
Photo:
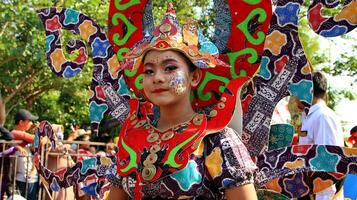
[{"x": 196, "y": 77}]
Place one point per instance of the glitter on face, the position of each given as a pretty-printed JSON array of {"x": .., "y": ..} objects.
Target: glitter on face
[{"x": 177, "y": 83}]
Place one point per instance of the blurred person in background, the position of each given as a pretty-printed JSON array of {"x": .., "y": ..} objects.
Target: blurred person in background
[
  {"x": 321, "y": 126},
  {"x": 58, "y": 129},
  {"x": 353, "y": 137},
  {"x": 83, "y": 154},
  {"x": 26, "y": 173}
]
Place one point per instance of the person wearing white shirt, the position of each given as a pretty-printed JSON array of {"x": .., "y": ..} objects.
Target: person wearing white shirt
[{"x": 321, "y": 126}]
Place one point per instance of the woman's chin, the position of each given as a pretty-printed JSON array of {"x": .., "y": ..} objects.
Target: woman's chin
[{"x": 163, "y": 101}]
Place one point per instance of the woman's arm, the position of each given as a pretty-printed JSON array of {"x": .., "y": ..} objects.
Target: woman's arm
[
  {"x": 116, "y": 193},
  {"x": 236, "y": 122},
  {"x": 245, "y": 192}
]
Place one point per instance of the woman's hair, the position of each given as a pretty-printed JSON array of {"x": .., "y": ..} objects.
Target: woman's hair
[{"x": 191, "y": 66}]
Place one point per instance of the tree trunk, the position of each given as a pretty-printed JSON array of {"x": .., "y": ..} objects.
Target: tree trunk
[
  {"x": 20, "y": 87},
  {"x": 2, "y": 112}
]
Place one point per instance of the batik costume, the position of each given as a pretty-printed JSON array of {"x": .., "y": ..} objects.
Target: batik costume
[
  {"x": 177, "y": 159},
  {"x": 247, "y": 36}
]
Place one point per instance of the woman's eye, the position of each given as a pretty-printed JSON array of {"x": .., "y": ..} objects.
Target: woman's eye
[
  {"x": 148, "y": 71},
  {"x": 170, "y": 68}
]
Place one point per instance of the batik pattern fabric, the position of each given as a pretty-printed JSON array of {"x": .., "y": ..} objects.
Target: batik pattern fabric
[{"x": 221, "y": 161}]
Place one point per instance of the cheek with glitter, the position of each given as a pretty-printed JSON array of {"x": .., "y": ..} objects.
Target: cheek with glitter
[{"x": 178, "y": 83}]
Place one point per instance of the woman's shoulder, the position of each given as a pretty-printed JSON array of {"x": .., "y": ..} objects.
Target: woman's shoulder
[
  {"x": 227, "y": 160},
  {"x": 229, "y": 143}
]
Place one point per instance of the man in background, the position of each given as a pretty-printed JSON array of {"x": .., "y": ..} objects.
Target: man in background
[
  {"x": 321, "y": 126},
  {"x": 26, "y": 174}
]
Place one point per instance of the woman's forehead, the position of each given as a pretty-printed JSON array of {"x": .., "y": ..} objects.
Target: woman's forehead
[{"x": 156, "y": 57}]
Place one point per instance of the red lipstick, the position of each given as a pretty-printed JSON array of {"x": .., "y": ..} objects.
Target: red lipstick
[{"x": 159, "y": 90}]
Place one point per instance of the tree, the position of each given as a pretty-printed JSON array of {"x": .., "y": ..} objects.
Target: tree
[{"x": 26, "y": 80}]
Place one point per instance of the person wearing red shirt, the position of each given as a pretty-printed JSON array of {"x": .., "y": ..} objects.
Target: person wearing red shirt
[{"x": 26, "y": 174}]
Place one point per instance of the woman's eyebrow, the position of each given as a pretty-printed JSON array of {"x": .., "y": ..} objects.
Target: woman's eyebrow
[
  {"x": 169, "y": 60},
  {"x": 165, "y": 61}
]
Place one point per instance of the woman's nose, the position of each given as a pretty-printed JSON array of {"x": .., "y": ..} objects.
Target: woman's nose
[{"x": 159, "y": 77}]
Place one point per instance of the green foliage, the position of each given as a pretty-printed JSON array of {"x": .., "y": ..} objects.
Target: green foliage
[
  {"x": 26, "y": 80},
  {"x": 335, "y": 96},
  {"x": 200, "y": 10},
  {"x": 310, "y": 40},
  {"x": 346, "y": 65}
]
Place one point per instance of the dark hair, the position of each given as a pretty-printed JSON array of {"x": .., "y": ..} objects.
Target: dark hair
[
  {"x": 353, "y": 130},
  {"x": 190, "y": 64},
  {"x": 83, "y": 137},
  {"x": 320, "y": 84}
]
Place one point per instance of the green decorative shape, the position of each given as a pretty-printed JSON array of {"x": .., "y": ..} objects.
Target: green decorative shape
[
  {"x": 130, "y": 27},
  {"x": 208, "y": 77},
  {"x": 137, "y": 82},
  {"x": 125, "y": 6},
  {"x": 252, "y": 2},
  {"x": 140, "y": 77},
  {"x": 171, "y": 158},
  {"x": 129, "y": 73},
  {"x": 233, "y": 57},
  {"x": 324, "y": 161},
  {"x": 133, "y": 157},
  {"x": 120, "y": 53},
  {"x": 244, "y": 26}
]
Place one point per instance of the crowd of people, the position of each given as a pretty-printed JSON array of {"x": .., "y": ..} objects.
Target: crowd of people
[{"x": 68, "y": 152}]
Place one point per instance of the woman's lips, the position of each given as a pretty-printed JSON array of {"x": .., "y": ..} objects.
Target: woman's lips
[{"x": 159, "y": 90}]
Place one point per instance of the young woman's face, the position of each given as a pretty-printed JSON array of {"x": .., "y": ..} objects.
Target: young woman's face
[{"x": 167, "y": 77}]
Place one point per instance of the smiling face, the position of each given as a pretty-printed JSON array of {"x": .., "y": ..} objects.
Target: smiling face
[{"x": 168, "y": 77}]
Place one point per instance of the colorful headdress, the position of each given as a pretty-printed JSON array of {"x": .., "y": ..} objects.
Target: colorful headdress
[{"x": 169, "y": 35}]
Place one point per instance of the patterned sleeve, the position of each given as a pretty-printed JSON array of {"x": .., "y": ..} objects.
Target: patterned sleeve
[
  {"x": 113, "y": 177},
  {"x": 227, "y": 160}
]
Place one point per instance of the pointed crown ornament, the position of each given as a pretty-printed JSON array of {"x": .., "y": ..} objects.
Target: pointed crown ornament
[{"x": 170, "y": 36}]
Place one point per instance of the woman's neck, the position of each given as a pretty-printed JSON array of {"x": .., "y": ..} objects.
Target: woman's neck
[{"x": 174, "y": 115}]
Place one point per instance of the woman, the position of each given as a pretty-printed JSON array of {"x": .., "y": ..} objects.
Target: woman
[{"x": 181, "y": 154}]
